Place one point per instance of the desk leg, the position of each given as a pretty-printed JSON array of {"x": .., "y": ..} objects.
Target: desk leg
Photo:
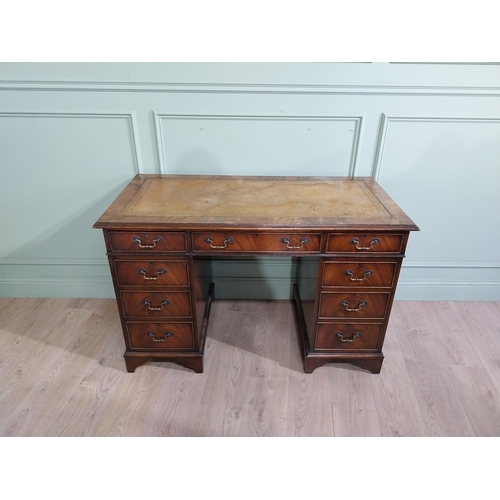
[
  {"x": 193, "y": 361},
  {"x": 133, "y": 362},
  {"x": 301, "y": 327}
]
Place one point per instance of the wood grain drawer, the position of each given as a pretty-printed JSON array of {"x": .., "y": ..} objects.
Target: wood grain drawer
[
  {"x": 251, "y": 242},
  {"x": 156, "y": 304},
  {"x": 160, "y": 335},
  {"x": 364, "y": 243},
  {"x": 160, "y": 241},
  {"x": 364, "y": 305},
  {"x": 152, "y": 273},
  {"x": 348, "y": 336},
  {"x": 359, "y": 273}
]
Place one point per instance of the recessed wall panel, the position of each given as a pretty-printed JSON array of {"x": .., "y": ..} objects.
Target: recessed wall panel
[
  {"x": 58, "y": 173},
  {"x": 445, "y": 173},
  {"x": 248, "y": 145}
]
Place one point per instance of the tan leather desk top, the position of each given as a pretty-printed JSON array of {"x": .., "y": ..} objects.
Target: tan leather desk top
[{"x": 191, "y": 200}]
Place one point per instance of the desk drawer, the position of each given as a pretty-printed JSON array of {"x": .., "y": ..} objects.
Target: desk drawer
[
  {"x": 364, "y": 305},
  {"x": 152, "y": 273},
  {"x": 160, "y": 241},
  {"x": 348, "y": 336},
  {"x": 252, "y": 242},
  {"x": 160, "y": 336},
  {"x": 156, "y": 304},
  {"x": 359, "y": 274},
  {"x": 364, "y": 243}
]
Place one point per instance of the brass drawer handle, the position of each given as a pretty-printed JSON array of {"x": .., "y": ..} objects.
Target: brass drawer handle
[
  {"x": 165, "y": 336},
  {"x": 366, "y": 274},
  {"x": 157, "y": 277},
  {"x": 162, "y": 304},
  {"x": 355, "y": 241},
  {"x": 340, "y": 335},
  {"x": 226, "y": 241},
  {"x": 361, "y": 304},
  {"x": 303, "y": 241},
  {"x": 156, "y": 239}
]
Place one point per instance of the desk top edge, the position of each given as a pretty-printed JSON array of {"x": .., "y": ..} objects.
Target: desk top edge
[{"x": 116, "y": 216}]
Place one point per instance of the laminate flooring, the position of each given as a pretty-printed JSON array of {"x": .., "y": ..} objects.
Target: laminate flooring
[{"x": 62, "y": 373}]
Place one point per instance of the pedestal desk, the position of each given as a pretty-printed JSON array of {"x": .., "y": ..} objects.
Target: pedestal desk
[{"x": 162, "y": 230}]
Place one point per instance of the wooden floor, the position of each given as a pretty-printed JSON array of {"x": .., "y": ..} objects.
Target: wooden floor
[{"x": 63, "y": 374}]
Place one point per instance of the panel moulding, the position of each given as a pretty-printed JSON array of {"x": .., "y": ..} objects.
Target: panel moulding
[
  {"x": 158, "y": 117},
  {"x": 130, "y": 117},
  {"x": 251, "y": 88},
  {"x": 54, "y": 262},
  {"x": 385, "y": 120},
  {"x": 454, "y": 265}
]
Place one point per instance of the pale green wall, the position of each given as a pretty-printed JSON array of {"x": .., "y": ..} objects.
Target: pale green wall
[{"x": 72, "y": 135}]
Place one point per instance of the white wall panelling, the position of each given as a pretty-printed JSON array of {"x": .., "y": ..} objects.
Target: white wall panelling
[
  {"x": 257, "y": 145},
  {"x": 430, "y": 134},
  {"x": 454, "y": 165},
  {"x": 59, "y": 170},
  {"x": 243, "y": 78}
]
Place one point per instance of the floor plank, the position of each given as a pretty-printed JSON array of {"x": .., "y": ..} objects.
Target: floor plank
[
  {"x": 427, "y": 366},
  {"x": 353, "y": 403},
  {"x": 62, "y": 373}
]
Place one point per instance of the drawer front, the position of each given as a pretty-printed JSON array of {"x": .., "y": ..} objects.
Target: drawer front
[
  {"x": 364, "y": 243},
  {"x": 156, "y": 304},
  {"x": 147, "y": 242},
  {"x": 359, "y": 274},
  {"x": 348, "y": 336},
  {"x": 353, "y": 305},
  {"x": 152, "y": 273},
  {"x": 252, "y": 242},
  {"x": 160, "y": 336}
]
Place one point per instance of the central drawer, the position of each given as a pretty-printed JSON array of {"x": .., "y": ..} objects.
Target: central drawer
[
  {"x": 253, "y": 242},
  {"x": 156, "y": 304},
  {"x": 160, "y": 335},
  {"x": 152, "y": 273}
]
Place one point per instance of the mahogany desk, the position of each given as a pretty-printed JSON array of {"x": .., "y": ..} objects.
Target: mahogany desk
[{"x": 161, "y": 230}]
